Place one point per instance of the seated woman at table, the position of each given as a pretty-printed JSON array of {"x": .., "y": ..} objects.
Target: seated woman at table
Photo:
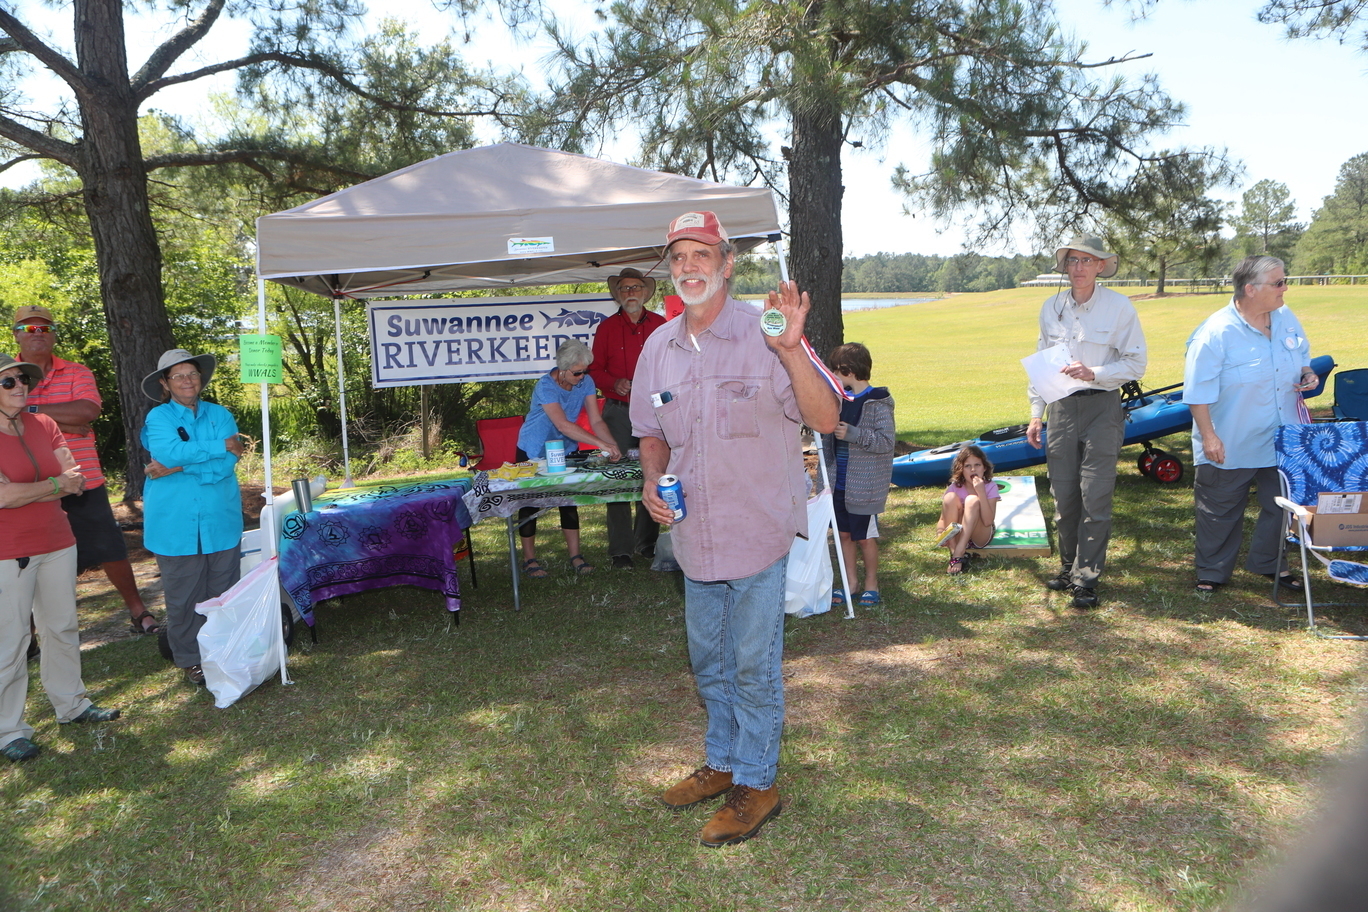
[
  {"x": 557, "y": 400},
  {"x": 192, "y": 510}
]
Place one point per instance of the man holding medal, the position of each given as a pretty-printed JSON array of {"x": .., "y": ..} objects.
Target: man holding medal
[{"x": 718, "y": 402}]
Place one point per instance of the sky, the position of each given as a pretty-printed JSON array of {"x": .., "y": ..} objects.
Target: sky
[{"x": 1291, "y": 111}]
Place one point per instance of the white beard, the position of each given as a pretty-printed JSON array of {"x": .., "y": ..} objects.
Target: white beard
[{"x": 715, "y": 282}]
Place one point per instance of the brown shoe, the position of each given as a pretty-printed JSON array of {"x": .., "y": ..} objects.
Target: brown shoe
[
  {"x": 702, "y": 784},
  {"x": 742, "y": 816}
]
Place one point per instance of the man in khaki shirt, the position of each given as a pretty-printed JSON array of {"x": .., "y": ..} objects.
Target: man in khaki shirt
[{"x": 1086, "y": 429}]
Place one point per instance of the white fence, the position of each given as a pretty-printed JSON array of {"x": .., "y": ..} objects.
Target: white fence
[{"x": 1207, "y": 284}]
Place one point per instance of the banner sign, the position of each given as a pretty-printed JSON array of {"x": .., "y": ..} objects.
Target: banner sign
[
  {"x": 416, "y": 343},
  {"x": 259, "y": 357}
]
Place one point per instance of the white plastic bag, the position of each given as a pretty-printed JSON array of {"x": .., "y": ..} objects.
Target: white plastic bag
[
  {"x": 807, "y": 590},
  {"x": 242, "y": 643}
]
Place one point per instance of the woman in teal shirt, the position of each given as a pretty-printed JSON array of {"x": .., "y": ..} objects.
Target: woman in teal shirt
[{"x": 192, "y": 510}]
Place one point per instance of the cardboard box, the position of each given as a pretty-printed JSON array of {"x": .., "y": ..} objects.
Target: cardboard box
[{"x": 1341, "y": 518}]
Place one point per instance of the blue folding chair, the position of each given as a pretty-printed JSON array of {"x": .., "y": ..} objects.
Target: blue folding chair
[
  {"x": 1351, "y": 395},
  {"x": 1312, "y": 459}
]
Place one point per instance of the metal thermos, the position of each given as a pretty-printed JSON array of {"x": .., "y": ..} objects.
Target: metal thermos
[{"x": 303, "y": 497}]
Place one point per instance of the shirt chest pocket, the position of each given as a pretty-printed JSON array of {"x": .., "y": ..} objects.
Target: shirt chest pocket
[
  {"x": 1249, "y": 371},
  {"x": 738, "y": 409}
]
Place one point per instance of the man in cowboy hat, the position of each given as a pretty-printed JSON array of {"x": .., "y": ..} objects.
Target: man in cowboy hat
[
  {"x": 617, "y": 346},
  {"x": 68, "y": 395},
  {"x": 1106, "y": 349}
]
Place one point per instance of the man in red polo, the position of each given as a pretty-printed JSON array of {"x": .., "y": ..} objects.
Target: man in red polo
[
  {"x": 617, "y": 346},
  {"x": 69, "y": 396}
]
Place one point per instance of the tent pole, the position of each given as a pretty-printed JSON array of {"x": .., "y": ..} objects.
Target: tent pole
[
  {"x": 269, "y": 545},
  {"x": 342, "y": 391},
  {"x": 821, "y": 465}
]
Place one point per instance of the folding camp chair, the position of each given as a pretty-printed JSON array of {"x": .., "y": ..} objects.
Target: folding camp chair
[
  {"x": 499, "y": 441},
  {"x": 1351, "y": 395},
  {"x": 1312, "y": 459}
]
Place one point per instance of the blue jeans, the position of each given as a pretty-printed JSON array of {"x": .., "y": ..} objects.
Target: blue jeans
[{"x": 736, "y": 647}]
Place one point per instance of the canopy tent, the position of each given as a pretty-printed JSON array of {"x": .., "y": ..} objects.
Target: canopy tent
[{"x": 492, "y": 217}]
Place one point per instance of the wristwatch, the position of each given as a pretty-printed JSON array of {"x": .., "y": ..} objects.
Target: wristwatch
[{"x": 33, "y": 409}]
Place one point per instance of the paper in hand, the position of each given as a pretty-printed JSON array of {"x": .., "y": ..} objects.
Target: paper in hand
[{"x": 1044, "y": 371}]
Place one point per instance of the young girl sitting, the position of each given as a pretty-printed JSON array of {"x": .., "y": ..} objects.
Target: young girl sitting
[{"x": 969, "y": 507}]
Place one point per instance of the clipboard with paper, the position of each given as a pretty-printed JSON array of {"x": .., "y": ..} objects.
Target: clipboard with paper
[{"x": 1045, "y": 368}]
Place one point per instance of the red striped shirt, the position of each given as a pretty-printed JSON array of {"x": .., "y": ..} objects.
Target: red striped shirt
[{"x": 67, "y": 381}]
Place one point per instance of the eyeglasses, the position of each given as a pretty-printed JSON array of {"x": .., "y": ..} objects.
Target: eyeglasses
[
  {"x": 578, "y": 373},
  {"x": 10, "y": 383},
  {"x": 1281, "y": 283},
  {"x": 35, "y": 328},
  {"x": 186, "y": 375},
  {"x": 625, "y": 289},
  {"x": 1080, "y": 261}
]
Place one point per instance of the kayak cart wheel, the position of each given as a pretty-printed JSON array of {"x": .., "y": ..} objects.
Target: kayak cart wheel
[
  {"x": 1146, "y": 462},
  {"x": 1166, "y": 469}
]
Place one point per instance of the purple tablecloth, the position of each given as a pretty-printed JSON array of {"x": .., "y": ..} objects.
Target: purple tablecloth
[{"x": 361, "y": 539}]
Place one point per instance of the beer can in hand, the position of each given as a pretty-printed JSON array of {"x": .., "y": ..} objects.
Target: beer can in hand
[{"x": 672, "y": 492}]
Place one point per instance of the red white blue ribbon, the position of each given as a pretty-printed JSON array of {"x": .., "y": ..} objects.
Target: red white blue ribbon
[{"x": 826, "y": 373}]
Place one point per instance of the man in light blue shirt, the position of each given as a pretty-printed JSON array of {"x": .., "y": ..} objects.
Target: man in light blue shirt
[{"x": 1247, "y": 366}]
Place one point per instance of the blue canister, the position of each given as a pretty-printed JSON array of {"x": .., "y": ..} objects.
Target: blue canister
[
  {"x": 672, "y": 492},
  {"x": 555, "y": 456}
]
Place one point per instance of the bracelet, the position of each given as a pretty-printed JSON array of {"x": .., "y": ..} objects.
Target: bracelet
[{"x": 56, "y": 487}]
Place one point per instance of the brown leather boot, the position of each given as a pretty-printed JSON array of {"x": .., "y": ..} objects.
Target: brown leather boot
[
  {"x": 742, "y": 816},
  {"x": 700, "y": 785}
]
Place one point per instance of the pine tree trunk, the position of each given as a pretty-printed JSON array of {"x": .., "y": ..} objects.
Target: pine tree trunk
[
  {"x": 816, "y": 244},
  {"x": 1163, "y": 272},
  {"x": 127, "y": 251}
]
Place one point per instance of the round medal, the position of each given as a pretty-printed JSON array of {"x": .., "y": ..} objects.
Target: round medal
[{"x": 773, "y": 322}]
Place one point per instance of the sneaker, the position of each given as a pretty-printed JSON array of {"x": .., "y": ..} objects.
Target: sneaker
[
  {"x": 93, "y": 713},
  {"x": 194, "y": 675},
  {"x": 20, "y": 749},
  {"x": 951, "y": 531},
  {"x": 647, "y": 552},
  {"x": 622, "y": 562},
  {"x": 1084, "y": 597},
  {"x": 700, "y": 785},
  {"x": 741, "y": 817}
]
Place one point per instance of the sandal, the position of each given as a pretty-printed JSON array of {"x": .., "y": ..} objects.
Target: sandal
[
  {"x": 1287, "y": 581},
  {"x": 137, "y": 624},
  {"x": 956, "y": 565},
  {"x": 869, "y": 598},
  {"x": 533, "y": 568},
  {"x": 838, "y": 598},
  {"x": 1206, "y": 587},
  {"x": 583, "y": 567}
]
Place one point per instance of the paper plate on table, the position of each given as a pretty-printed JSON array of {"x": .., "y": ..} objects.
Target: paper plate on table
[{"x": 548, "y": 474}]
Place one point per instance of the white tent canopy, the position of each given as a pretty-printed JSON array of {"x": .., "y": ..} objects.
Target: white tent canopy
[{"x": 493, "y": 217}]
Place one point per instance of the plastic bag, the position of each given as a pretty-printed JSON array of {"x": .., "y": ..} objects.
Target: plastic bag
[
  {"x": 242, "y": 643},
  {"x": 807, "y": 590}
]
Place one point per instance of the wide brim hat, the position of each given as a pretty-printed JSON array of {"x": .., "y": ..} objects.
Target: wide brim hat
[
  {"x": 630, "y": 273},
  {"x": 32, "y": 371},
  {"x": 151, "y": 385},
  {"x": 1088, "y": 243}
]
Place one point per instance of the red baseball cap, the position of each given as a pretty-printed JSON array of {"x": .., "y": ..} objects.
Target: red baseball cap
[{"x": 696, "y": 226}]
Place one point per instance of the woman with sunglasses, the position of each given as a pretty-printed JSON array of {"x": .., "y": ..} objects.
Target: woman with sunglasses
[
  {"x": 557, "y": 400},
  {"x": 192, "y": 510},
  {"x": 37, "y": 564},
  {"x": 1247, "y": 366}
]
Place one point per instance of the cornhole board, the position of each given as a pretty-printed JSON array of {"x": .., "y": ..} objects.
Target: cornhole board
[{"x": 1021, "y": 528}]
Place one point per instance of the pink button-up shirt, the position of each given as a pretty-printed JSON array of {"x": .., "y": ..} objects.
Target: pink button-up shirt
[{"x": 732, "y": 423}]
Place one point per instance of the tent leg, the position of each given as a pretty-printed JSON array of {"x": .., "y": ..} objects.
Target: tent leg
[
  {"x": 342, "y": 391},
  {"x": 513, "y": 563}
]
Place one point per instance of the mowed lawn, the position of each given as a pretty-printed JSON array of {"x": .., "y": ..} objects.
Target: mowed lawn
[{"x": 972, "y": 744}]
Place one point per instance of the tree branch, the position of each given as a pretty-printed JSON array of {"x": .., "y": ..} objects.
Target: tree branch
[
  {"x": 170, "y": 50},
  {"x": 46, "y": 146},
  {"x": 22, "y": 39}
]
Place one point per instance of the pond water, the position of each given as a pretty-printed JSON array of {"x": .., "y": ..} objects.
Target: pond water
[{"x": 849, "y": 304}]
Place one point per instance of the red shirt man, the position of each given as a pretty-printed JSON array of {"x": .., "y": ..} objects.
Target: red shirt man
[
  {"x": 617, "y": 346},
  {"x": 69, "y": 396}
]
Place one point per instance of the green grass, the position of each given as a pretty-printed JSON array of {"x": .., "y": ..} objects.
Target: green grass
[{"x": 972, "y": 744}]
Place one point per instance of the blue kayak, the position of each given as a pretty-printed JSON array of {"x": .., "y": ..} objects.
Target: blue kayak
[{"x": 1149, "y": 416}]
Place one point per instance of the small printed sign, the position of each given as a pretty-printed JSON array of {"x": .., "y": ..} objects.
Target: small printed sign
[
  {"x": 529, "y": 246},
  {"x": 1339, "y": 503},
  {"x": 260, "y": 358}
]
